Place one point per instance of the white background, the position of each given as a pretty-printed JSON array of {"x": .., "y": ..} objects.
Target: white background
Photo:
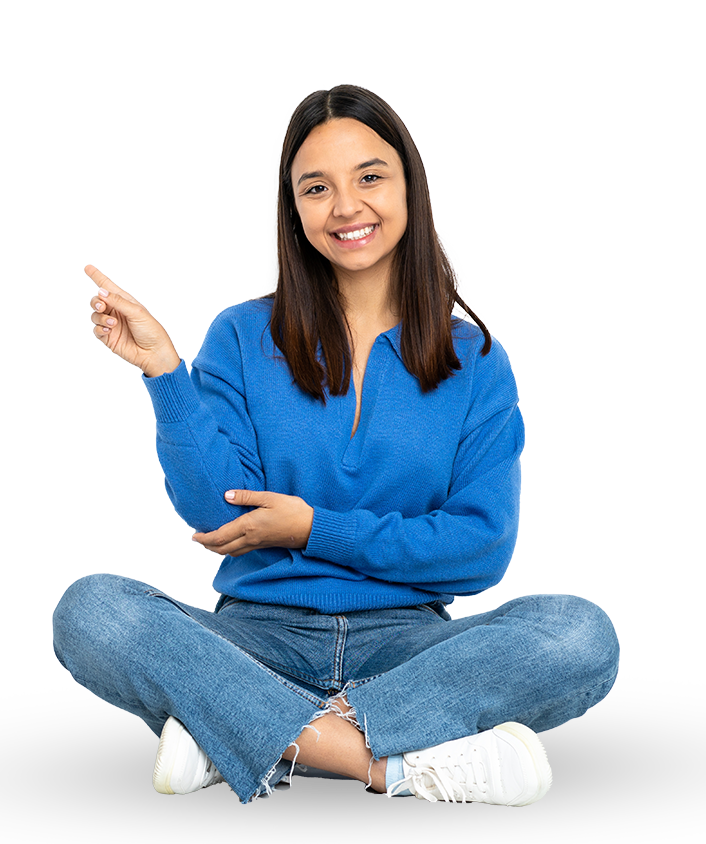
[{"x": 655, "y": 59}]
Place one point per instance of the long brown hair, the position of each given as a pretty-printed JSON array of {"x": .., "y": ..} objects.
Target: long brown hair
[{"x": 307, "y": 310}]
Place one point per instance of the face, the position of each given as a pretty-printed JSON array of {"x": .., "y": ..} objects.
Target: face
[{"x": 351, "y": 196}]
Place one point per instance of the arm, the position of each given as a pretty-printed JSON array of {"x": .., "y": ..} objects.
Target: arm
[
  {"x": 205, "y": 439},
  {"x": 464, "y": 546}
]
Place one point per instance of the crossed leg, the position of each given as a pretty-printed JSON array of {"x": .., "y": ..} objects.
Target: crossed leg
[{"x": 335, "y": 744}]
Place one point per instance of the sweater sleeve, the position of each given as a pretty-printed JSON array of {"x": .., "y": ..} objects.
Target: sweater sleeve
[
  {"x": 465, "y": 545},
  {"x": 205, "y": 440}
]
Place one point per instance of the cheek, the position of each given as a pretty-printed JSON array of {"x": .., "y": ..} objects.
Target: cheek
[
  {"x": 312, "y": 223},
  {"x": 398, "y": 207},
  {"x": 404, "y": 218},
  {"x": 401, "y": 213},
  {"x": 318, "y": 240}
]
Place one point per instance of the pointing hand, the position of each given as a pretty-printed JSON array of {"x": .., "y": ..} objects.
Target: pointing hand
[{"x": 128, "y": 329}]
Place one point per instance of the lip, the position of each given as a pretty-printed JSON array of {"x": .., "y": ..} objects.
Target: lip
[
  {"x": 353, "y": 228},
  {"x": 354, "y": 244}
]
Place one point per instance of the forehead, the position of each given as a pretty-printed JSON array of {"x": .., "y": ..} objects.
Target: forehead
[{"x": 341, "y": 144}]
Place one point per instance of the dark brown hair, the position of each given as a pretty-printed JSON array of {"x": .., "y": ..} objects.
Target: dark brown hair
[{"x": 307, "y": 310}]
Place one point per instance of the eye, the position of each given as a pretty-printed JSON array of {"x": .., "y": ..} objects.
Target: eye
[
  {"x": 315, "y": 190},
  {"x": 370, "y": 178}
]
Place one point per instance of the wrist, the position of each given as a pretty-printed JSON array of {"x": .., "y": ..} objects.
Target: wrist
[
  {"x": 155, "y": 367},
  {"x": 308, "y": 523}
]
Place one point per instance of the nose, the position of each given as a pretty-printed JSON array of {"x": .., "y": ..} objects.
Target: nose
[{"x": 348, "y": 203}]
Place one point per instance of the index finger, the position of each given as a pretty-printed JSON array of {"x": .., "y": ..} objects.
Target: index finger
[
  {"x": 103, "y": 281},
  {"x": 248, "y": 497},
  {"x": 221, "y": 536}
]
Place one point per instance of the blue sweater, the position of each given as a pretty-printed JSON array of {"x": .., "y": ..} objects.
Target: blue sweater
[{"x": 420, "y": 505}]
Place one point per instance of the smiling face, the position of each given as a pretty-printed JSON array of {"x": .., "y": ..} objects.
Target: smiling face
[{"x": 350, "y": 192}]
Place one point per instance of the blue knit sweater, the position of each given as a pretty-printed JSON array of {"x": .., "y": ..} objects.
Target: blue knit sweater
[{"x": 420, "y": 505}]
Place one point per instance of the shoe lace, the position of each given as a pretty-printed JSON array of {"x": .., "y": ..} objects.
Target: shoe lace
[{"x": 439, "y": 779}]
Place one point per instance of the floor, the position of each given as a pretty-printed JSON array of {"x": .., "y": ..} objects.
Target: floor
[{"x": 102, "y": 757}]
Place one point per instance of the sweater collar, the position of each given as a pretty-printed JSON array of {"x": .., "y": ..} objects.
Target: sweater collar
[{"x": 394, "y": 337}]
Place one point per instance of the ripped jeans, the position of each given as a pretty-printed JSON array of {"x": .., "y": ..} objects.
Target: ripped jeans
[{"x": 246, "y": 679}]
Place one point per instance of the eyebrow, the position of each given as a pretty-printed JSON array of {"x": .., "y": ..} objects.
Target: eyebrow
[{"x": 318, "y": 174}]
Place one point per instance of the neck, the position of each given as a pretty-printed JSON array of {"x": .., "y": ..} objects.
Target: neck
[{"x": 367, "y": 300}]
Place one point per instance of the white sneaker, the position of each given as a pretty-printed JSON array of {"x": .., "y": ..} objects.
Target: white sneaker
[
  {"x": 181, "y": 766},
  {"x": 506, "y": 766}
]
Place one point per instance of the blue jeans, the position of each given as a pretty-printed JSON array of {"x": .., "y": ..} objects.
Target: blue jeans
[{"x": 247, "y": 678}]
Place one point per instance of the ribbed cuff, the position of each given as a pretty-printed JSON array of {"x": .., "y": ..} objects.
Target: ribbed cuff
[
  {"x": 332, "y": 536},
  {"x": 173, "y": 395}
]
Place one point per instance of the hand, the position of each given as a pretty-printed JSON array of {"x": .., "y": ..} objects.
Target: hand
[
  {"x": 129, "y": 330},
  {"x": 282, "y": 521}
]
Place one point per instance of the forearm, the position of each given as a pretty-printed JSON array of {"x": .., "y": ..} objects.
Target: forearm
[
  {"x": 461, "y": 547},
  {"x": 438, "y": 552}
]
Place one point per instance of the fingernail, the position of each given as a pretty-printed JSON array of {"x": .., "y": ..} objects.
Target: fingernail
[
  {"x": 103, "y": 292},
  {"x": 110, "y": 321},
  {"x": 230, "y": 495}
]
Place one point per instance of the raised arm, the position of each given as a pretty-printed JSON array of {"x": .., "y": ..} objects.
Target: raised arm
[{"x": 205, "y": 441}]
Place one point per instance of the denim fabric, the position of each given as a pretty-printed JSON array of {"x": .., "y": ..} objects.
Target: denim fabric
[{"x": 246, "y": 679}]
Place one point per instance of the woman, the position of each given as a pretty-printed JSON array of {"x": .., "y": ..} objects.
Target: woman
[{"x": 352, "y": 450}]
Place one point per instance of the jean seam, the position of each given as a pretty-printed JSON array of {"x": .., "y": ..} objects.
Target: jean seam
[
  {"x": 361, "y": 681},
  {"x": 339, "y": 649}
]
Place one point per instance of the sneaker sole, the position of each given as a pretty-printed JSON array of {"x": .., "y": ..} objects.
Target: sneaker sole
[
  {"x": 538, "y": 755},
  {"x": 163, "y": 765}
]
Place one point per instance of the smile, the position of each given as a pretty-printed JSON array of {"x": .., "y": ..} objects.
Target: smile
[{"x": 359, "y": 234}]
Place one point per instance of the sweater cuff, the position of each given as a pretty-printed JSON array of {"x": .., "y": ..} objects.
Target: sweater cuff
[
  {"x": 332, "y": 536},
  {"x": 173, "y": 395}
]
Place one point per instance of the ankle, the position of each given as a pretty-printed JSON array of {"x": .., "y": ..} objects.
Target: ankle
[{"x": 377, "y": 773}]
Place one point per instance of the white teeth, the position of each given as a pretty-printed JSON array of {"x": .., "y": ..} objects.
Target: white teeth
[{"x": 356, "y": 235}]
